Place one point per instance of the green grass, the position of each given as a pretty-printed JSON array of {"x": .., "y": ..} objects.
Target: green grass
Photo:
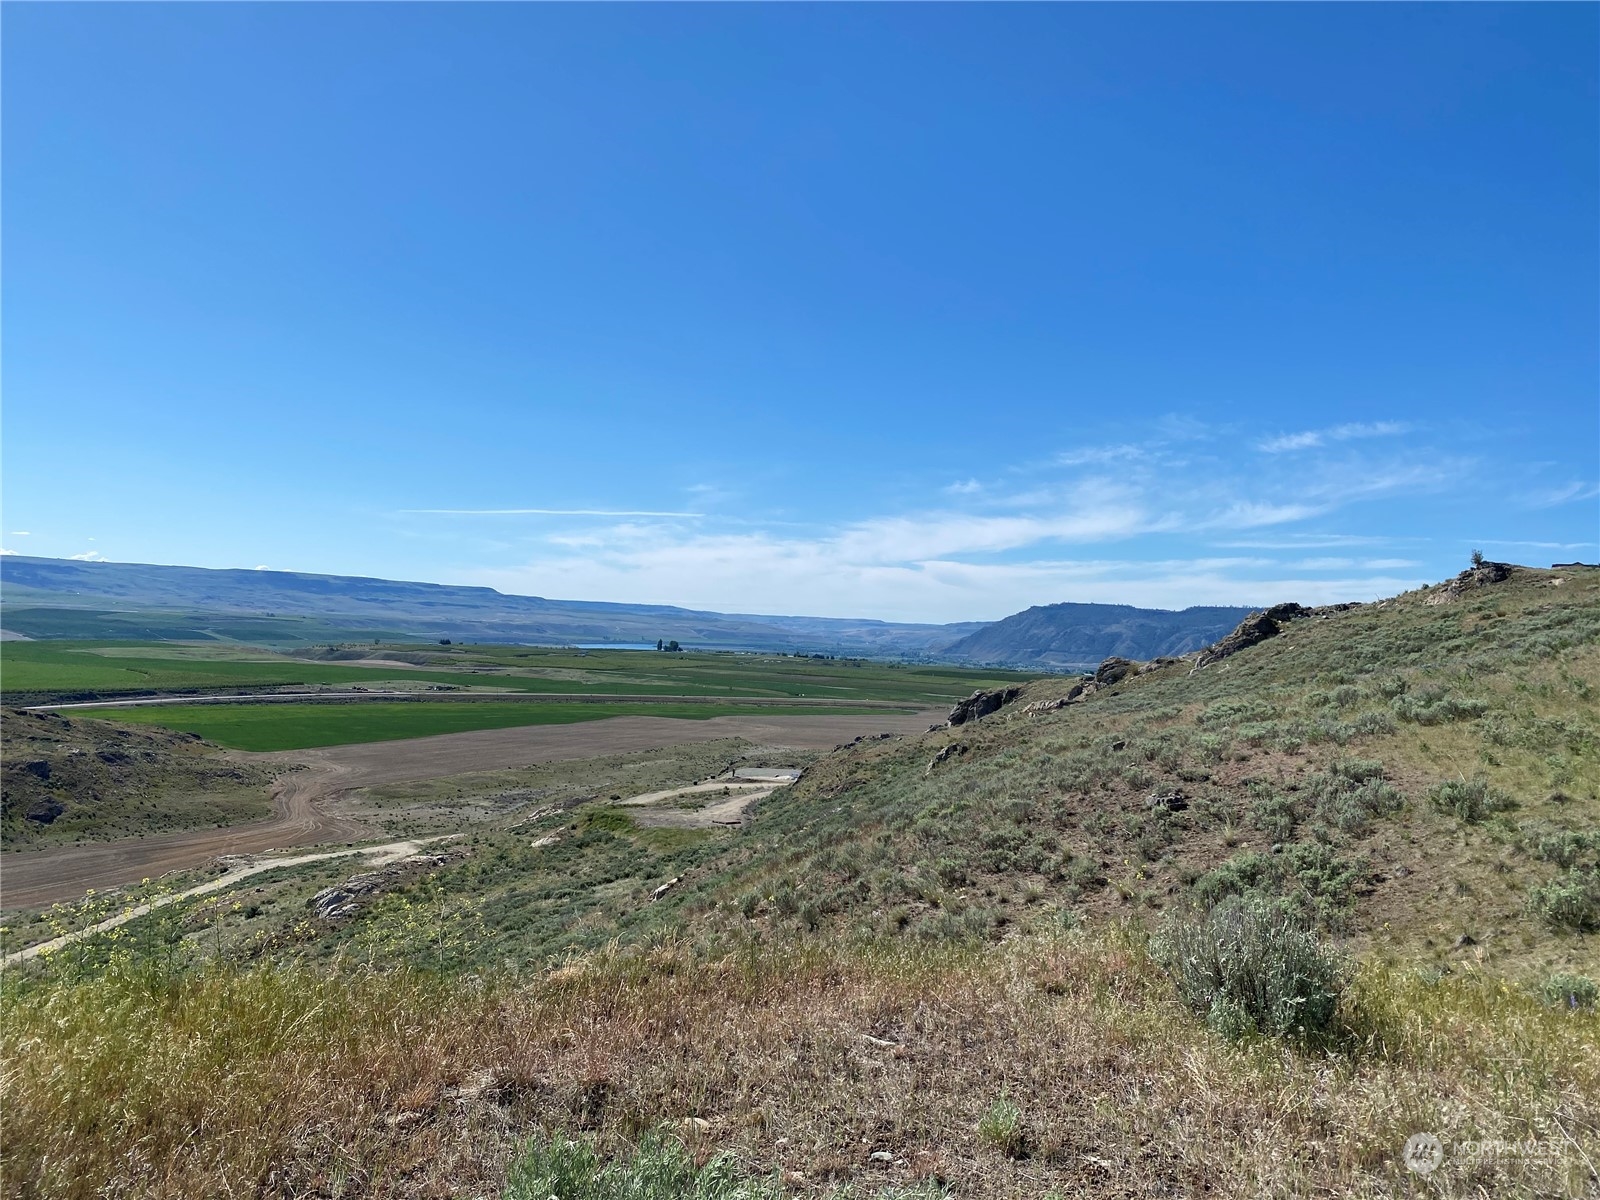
[{"x": 302, "y": 726}]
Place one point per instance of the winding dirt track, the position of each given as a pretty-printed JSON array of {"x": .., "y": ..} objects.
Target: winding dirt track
[{"x": 28, "y": 880}]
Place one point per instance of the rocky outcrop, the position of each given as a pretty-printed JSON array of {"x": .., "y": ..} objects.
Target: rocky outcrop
[
  {"x": 1483, "y": 574},
  {"x": 1288, "y": 612},
  {"x": 45, "y": 811},
  {"x": 981, "y": 704},
  {"x": 1253, "y": 630},
  {"x": 345, "y": 900},
  {"x": 953, "y": 750},
  {"x": 1113, "y": 670}
]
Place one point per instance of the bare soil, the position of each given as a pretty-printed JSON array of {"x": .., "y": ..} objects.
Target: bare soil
[{"x": 300, "y": 817}]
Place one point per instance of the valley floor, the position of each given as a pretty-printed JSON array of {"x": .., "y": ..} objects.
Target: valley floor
[{"x": 301, "y": 818}]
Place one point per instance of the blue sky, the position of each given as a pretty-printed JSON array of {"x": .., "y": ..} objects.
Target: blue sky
[{"x": 915, "y": 312}]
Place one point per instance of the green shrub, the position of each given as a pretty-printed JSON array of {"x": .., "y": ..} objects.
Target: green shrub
[
  {"x": 1249, "y": 966},
  {"x": 785, "y": 900},
  {"x": 1350, "y": 793},
  {"x": 1570, "y": 991},
  {"x": 1240, "y": 874},
  {"x": 1469, "y": 799},
  {"x": 1564, "y": 847},
  {"x": 1233, "y": 712},
  {"x": 1001, "y": 1127},
  {"x": 1569, "y": 901},
  {"x": 1275, "y": 816},
  {"x": 1436, "y": 707},
  {"x": 1373, "y": 723},
  {"x": 1321, "y": 882},
  {"x": 661, "y": 1169}
]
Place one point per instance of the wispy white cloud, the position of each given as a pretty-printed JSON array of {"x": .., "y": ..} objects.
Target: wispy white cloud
[
  {"x": 1247, "y": 514},
  {"x": 756, "y": 574},
  {"x": 1536, "y": 545},
  {"x": 1291, "y": 541},
  {"x": 1357, "y": 564},
  {"x": 20, "y": 533},
  {"x": 1311, "y": 438},
  {"x": 1565, "y": 494},
  {"x": 1101, "y": 455},
  {"x": 1081, "y": 525},
  {"x": 543, "y": 512}
]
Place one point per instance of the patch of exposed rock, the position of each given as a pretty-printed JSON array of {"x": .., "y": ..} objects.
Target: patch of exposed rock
[
  {"x": 981, "y": 704},
  {"x": 1044, "y": 706},
  {"x": 1476, "y": 576},
  {"x": 953, "y": 750},
  {"x": 1173, "y": 801},
  {"x": 345, "y": 900},
  {"x": 1156, "y": 664},
  {"x": 1113, "y": 670},
  {"x": 1253, "y": 630}
]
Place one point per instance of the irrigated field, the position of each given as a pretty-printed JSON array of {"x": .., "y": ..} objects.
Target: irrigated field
[
  {"x": 302, "y": 726},
  {"x": 34, "y": 672}
]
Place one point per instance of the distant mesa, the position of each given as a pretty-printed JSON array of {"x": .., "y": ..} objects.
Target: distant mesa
[{"x": 1080, "y": 637}]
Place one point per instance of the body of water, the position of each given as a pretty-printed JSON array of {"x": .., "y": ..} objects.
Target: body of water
[{"x": 616, "y": 645}]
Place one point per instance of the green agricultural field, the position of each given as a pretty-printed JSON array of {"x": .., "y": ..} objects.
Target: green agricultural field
[
  {"x": 35, "y": 672},
  {"x": 302, "y": 726}
]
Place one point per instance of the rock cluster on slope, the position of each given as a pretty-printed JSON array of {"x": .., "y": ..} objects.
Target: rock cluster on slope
[{"x": 981, "y": 704}]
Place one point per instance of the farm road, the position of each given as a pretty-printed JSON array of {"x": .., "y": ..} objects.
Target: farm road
[
  {"x": 378, "y": 855},
  {"x": 65, "y": 873}
]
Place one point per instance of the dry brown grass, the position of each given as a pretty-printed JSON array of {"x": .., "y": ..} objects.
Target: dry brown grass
[{"x": 799, "y": 1058}]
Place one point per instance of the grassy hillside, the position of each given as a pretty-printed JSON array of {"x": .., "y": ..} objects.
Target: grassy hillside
[
  {"x": 1241, "y": 929},
  {"x": 69, "y": 779},
  {"x": 1410, "y": 774}
]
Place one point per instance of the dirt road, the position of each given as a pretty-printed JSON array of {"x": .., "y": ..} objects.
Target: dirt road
[
  {"x": 379, "y": 856},
  {"x": 727, "y": 808},
  {"x": 28, "y": 880}
]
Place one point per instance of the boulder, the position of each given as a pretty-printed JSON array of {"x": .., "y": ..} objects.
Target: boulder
[
  {"x": 1112, "y": 670},
  {"x": 953, "y": 750},
  {"x": 1171, "y": 801},
  {"x": 1254, "y": 629},
  {"x": 44, "y": 812},
  {"x": 981, "y": 704}
]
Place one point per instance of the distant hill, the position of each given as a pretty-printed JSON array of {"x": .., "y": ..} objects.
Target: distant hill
[
  {"x": 1067, "y": 636},
  {"x": 60, "y": 598},
  {"x": 63, "y": 598}
]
